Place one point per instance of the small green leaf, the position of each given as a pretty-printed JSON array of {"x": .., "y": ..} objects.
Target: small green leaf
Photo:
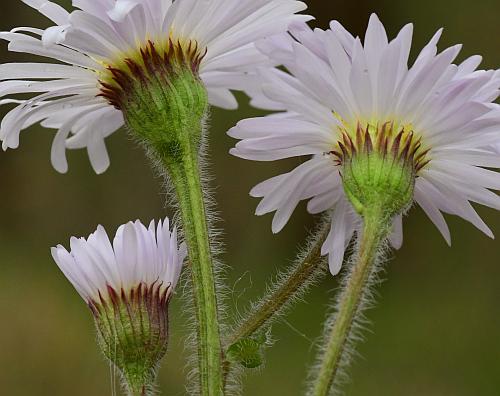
[{"x": 247, "y": 352}]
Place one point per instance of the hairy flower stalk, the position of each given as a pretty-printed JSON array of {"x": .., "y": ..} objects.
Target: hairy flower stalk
[
  {"x": 165, "y": 105},
  {"x": 288, "y": 287},
  {"x": 379, "y": 168},
  {"x": 128, "y": 286},
  {"x": 340, "y": 328},
  {"x": 244, "y": 345}
]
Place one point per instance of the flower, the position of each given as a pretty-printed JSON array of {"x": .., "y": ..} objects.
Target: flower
[
  {"x": 139, "y": 257},
  {"x": 341, "y": 94},
  {"x": 101, "y": 39},
  {"x": 128, "y": 286}
]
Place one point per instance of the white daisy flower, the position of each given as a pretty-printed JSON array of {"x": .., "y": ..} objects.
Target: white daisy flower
[
  {"x": 341, "y": 95},
  {"x": 102, "y": 39}
]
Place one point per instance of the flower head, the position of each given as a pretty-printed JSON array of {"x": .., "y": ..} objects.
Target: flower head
[
  {"x": 343, "y": 100},
  {"x": 127, "y": 285},
  {"x": 103, "y": 45}
]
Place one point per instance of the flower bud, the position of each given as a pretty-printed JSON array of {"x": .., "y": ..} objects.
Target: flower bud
[{"x": 128, "y": 286}]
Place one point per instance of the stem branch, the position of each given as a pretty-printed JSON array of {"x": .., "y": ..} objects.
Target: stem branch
[{"x": 290, "y": 286}]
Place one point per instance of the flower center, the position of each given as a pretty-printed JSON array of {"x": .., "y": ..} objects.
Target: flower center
[
  {"x": 388, "y": 139},
  {"x": 150, "y": 62}
]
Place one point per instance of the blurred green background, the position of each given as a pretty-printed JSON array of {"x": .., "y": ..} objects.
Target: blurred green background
[{"x": 435, "y": 329}]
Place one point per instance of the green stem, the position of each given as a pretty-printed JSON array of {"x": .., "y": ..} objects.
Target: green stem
[
  {"x": 350, "y": 302},
  {"x": 186, "y": 178},
  {"x": 166, "y": 108},
  {"x": 290, "y": 286}
]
